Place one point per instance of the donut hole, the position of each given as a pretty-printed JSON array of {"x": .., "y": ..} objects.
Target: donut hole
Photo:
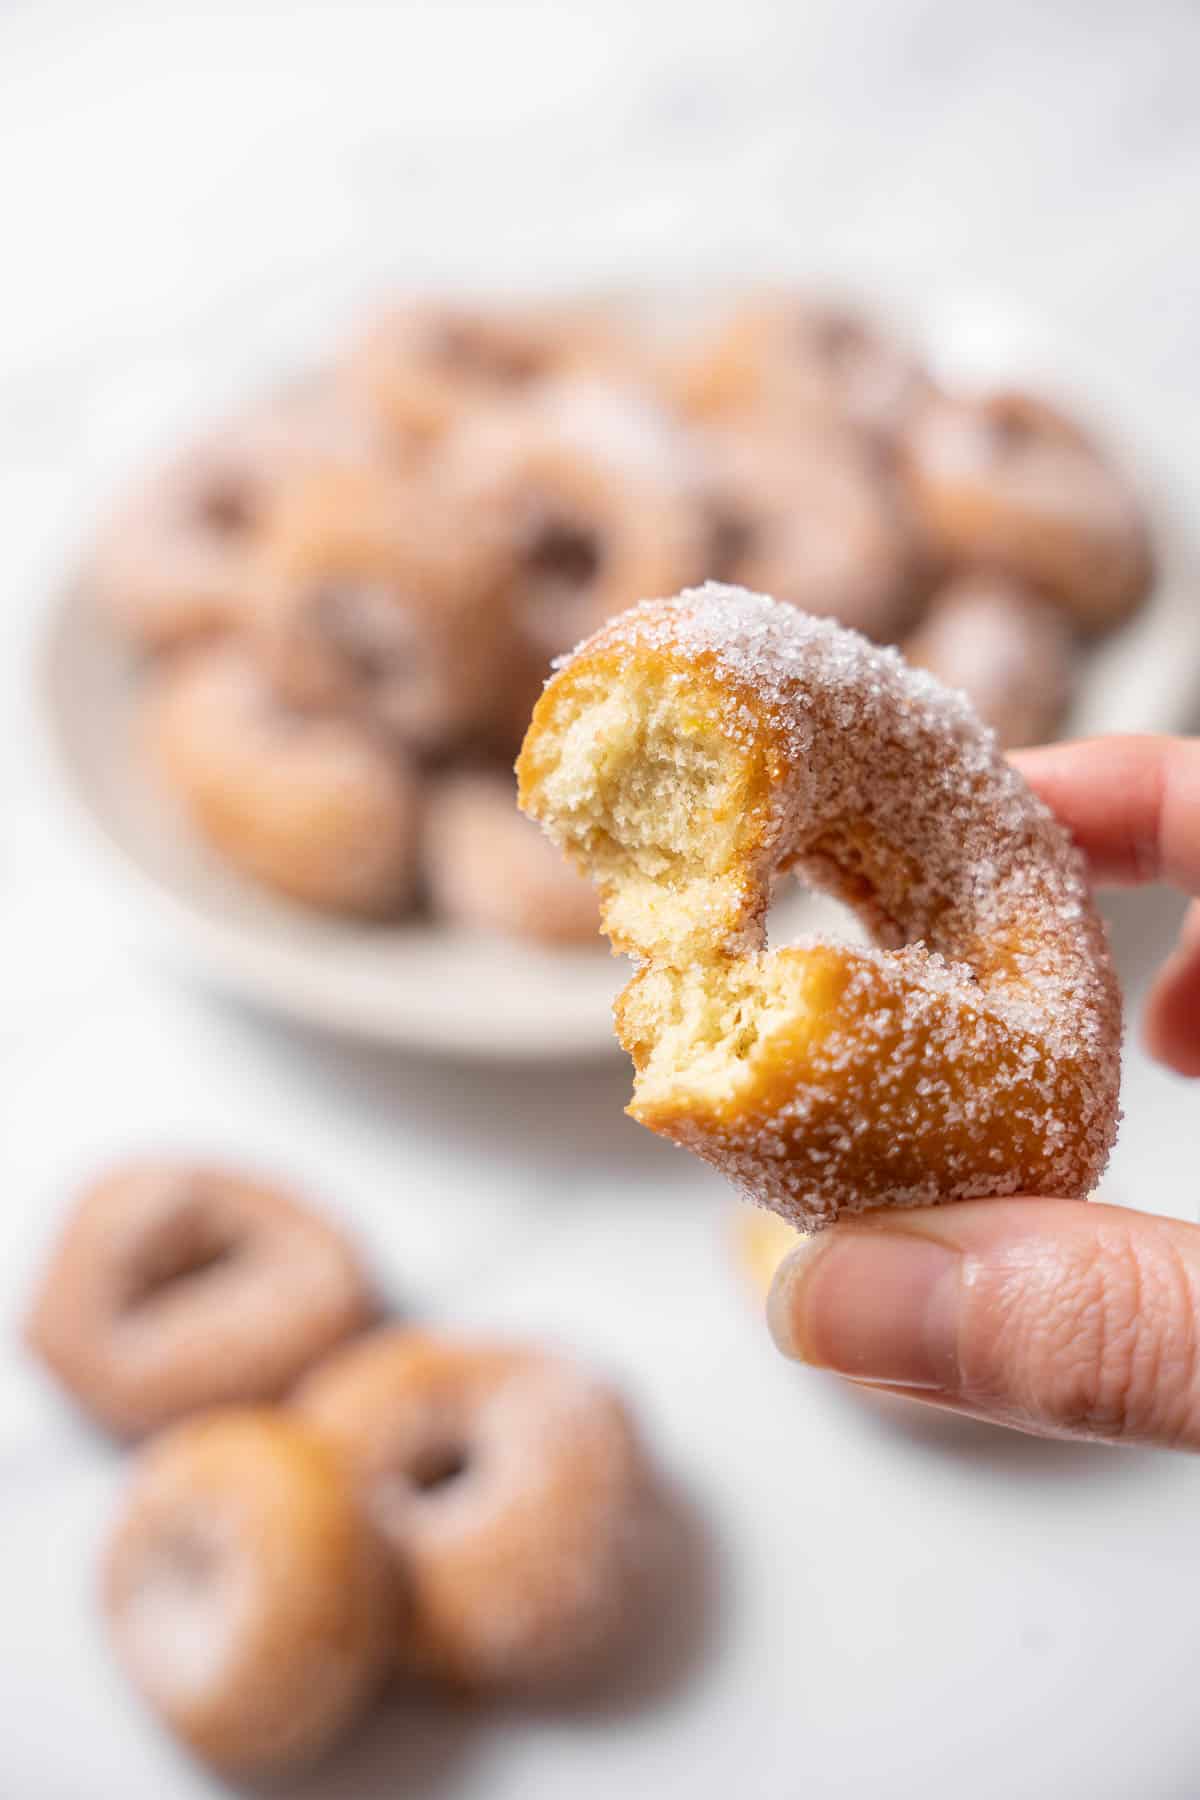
[
  {"x": 190, "y": 1245},
  {"x": 367, "y": 627},
  {"x": 656, "y": 804},
  {"x": 733, "y": 537},
  {"x": 437, "y": 1466},
  {"x": 226, "y": 507},
  {"x": 485, "y": 354}
]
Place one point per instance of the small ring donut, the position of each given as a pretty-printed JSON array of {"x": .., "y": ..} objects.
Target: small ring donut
[
  {"x": 311, "y": 806},
  {"x": 177, "y": 561},
  {"x": 244, "y": 1595},
  {"x": 510, "y": 1488},
  {"x": 584, "y": 531},
  {"x": 427, "y": 365},
  {"x": 176, "y": 1286},
  {"x": 488, "y": 869},
  {"x": 1007, "y": 482},
  {"x": 698, "y": 747},
  {"x": 811, "y": 520},
  {"x": 801, "y": 360},
  {"x": 1009, "y": 652},
  {"x": 378, "y": 602}
]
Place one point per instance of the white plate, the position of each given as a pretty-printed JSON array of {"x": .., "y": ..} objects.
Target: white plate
[{"x": 420, "y": 986}]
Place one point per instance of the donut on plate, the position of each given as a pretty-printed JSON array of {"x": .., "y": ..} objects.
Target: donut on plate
[
  {"x": 176, "y": 1286},
  {"x": 244, "y": 1594},
  {"x": 1008, "y": 482},
  {"x": 487, "y": 868},
  {"x": 312, "y": 806},
  {"x": 511, "y": 1489},
  {"x": 381, "y": 599},
  {"x": 696, "y": 749},
  {"x": 1011, "y": 653}
]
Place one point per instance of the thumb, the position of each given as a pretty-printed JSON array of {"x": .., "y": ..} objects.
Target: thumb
[{"x": 1056, "y": 1317}]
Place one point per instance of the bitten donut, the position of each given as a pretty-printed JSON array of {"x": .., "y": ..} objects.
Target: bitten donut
[
  {"x": 486, "y": 867},
  {"x": 809, "y": 519},
  {"x": 1008, "y": 482},
  {"x": 315, "y": 807},
  {"x": 175, "y": 1286},
  {"x": 803, "y": 361},
  {"x": 1009, "y": 652},
  {"x": 177, "y": 560},
  {"x": 424, "y": 365},
  {"x": 244, "y": 1594},
  {"x": 511, "y": 1489},
  {"x": 380, "y": 600},
  {"x": 698, "y": 747}
]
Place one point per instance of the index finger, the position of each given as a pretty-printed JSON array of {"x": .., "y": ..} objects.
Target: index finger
[{"x": 1132, "y": 804}]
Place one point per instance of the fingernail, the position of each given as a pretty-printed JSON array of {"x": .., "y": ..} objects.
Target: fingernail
[{"x": 878, "y": 1305}]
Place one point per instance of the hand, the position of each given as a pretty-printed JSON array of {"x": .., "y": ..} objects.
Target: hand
[{"x": 1057, "y": 1318}]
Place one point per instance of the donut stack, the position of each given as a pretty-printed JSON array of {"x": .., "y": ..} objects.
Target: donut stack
[
  {"x": 321, "y": 1499},
  {"x": 347, "y": 597}
]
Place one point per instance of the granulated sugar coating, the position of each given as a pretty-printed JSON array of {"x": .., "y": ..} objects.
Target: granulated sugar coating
[{"x": 696, "y": 748}]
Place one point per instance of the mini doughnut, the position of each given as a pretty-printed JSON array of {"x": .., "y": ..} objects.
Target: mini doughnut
[
  {"x": 314, "y": 807},
  {"x": 244, "y": 1595},
  {"x": 426, "y": 365},
  {"x": 177, "y": 561},
  {"x": 698, "y": 747},
  {"x": 176, "y": 1286},
  {"x": 488, "y": 868},
  {"x": 811, "y": 519},
  {"x": 511, "y": 1490},
  {"x": 1008, "y": 482},
  {"x": 586, "y": 530},
  {"x": 1009, "y": 652},
  {"x": 380, "y": 600},
  {"x": 803, "y": 361},
  {"x": 761, "y": 1241}
]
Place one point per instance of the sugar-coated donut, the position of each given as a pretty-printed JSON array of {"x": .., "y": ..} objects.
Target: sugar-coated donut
[
  {"x": 176, "y": 1286},
  {"x": 244, "y": 1594},
  {"x": 1008, "y": 482},
  {"x": 426, "y": 364},
  {"x": 586, "y": 527},
  {"x": 1008, "y": 651},
  {"x": 761, "y": 1241},
  {"x": 803, "y": 360},
  {"x": 698, "y": 747},
  {"x": 378, "y": 602},
  {"x": 313, "y": 806},
  {"x": 811, "y": 519},
  {"x": 512, "y": 1491},
  {"x": 486, "y": 867},
  {"x": 177, "y": 559}
]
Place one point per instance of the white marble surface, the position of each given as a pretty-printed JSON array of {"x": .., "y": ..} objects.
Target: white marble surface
[{"x": 899, "y": 1606}]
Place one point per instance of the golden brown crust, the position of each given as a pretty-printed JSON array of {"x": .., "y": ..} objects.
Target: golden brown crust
[
  {"x": 511, "y": 1489},
  {"x": 176, "y": 1286},
  {"x": 244, "y": 1594},
  {"x": 977, "y": 1052}
]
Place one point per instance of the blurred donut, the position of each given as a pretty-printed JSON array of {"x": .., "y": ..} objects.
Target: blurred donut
[
  {"x": 512, "y": 1491},
  {"x": 244, "y": 1595},
  {"x": 803, "y": 361},
  {"x": 383, "y": 600},
  {"x": 811, "y": 519},
  {"x": 486, "y": 867},
  {"x": 176, "y": 1286},
  {"x": 1009, "y": 652},
  {"x": 761, "y": 1241},
  {"x": 424, "y": 365},
  {"x": 585, "y": 530},
  {"x": 312, "y": 806},
  {"x": 1008, "y": 482},
  {"x": 177, "y": 559}
]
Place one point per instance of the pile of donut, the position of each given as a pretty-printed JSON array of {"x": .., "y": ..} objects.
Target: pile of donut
[
  {"x": 349, "y": 595},
  {"x": 325, "y": 1498}
]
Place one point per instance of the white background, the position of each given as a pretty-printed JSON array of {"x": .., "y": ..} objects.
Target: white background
[{"x": 895, "y": 1605}]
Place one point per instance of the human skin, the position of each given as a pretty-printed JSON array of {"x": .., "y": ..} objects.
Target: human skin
[{"x": 1051, "y": 1316}]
